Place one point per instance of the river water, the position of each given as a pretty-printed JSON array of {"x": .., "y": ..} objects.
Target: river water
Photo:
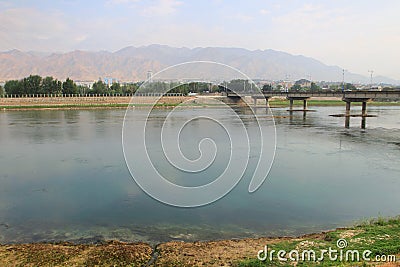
[{"x": 63, "y": 177}]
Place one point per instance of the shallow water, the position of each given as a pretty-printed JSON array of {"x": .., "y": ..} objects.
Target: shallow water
[{"x": 63, "y": 177}]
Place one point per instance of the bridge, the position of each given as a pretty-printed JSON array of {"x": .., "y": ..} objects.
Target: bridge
[{"x": 347, "y": 96}]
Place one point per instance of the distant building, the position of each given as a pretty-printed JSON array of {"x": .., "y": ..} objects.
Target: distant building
[
  {"x": 109, "y": 81},
  {"x": 88, "y": 84},
  {"x": 149, "y": 76},
  {"x": 303, "y": 83},
  {"x": 376, "y": 88}
]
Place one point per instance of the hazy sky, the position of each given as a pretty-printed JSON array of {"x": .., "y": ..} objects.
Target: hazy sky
[{"x": 357, "y": 35}]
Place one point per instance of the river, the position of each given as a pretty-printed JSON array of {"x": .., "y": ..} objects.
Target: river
[{"x": 63, "y": 177}]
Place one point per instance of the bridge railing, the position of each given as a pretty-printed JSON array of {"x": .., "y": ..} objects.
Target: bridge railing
[
  {"x": 85, "y": 95},
  {"x": 346, "y": 94}
]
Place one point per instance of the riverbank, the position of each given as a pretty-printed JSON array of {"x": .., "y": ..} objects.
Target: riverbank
[
  {"x": 88, "y": 102},
  {"x": 46, "y": 103},
  {"x": 381, "y": 237}
]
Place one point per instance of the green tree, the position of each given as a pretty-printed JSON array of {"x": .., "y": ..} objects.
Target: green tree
[
  {"x": 129, "y": 88},
  {"x": 349, "y": 86},
  {"x": 215, "y": 88},
  {"x": 13, "y": 87},
  {"x": 99, "y": 88},
  {"x": 267, "y": 87},
  {"x": 1, "y": 90},
  {"x": 31, "y": 84},
  {"x": 199, "y": 87},
  {"x": 69, "y": 87},
  {"x": 296, "y": 87},
  {"x": 82, "y": 89},
  {"x": 181, "y": 88},
  {"x": 51, "y": 86},
  {"x": 116, "y": 88},
  {"x": 315, "y": 87},
  {"x": 334, "y": 87}
]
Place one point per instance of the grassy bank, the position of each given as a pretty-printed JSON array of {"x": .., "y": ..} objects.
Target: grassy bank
[{"x": 380, "y": 236}]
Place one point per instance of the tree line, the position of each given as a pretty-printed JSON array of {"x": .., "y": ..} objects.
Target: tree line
[
  {"x": 35, "y": 84},
  {"x": 313, "y": 87}
]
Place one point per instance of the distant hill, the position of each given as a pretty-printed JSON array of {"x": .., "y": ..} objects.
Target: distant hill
[{"x": 132, "y": 63}]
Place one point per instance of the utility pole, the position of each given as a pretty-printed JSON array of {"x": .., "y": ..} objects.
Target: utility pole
[
  {"x": 371, "y": 72},
  {"x": 343, "y": 81}
]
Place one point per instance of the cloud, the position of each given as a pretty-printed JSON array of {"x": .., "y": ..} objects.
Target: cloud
[
  {"x": 265, "y": 11},
  {"x": 21, "y": 26},
  {"x": 339, "y": 35},
  {"x": 121, "y": 2},
  {"x": 161, "y": 8},
  {"x": 240, "y": 17},
  {"x": 31, "y": 29}
]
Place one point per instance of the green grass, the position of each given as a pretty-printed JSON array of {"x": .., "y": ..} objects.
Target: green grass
[{"x": 380, "y": 236}]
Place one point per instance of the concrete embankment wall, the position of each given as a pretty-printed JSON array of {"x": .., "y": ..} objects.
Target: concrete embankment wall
[{"x": 98, "y": 100}]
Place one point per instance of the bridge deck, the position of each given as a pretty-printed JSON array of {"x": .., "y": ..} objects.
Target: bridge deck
[{"x": 344, "y": 95}]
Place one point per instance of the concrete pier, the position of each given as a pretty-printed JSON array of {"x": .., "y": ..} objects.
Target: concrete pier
[
  {"x": 363, "y": 110},
  {"x": 291, "y": 104},
  {"x": 266, "y": 98},
  {"x": 347, "y": 115},
  {"x": 293, "y": 98}
]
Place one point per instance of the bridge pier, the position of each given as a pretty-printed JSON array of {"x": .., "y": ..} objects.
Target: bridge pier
[
  {"x": 256, "y": 97},
  {"x": 363, "y": 110},
  {"x": 292, "y": 98},
  {"x": 363, "y": 115},
  {"x": 347, "y": 115}
]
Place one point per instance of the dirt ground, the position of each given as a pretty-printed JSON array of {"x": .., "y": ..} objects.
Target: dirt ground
[
  {"x": 210, "y": 253},
  {"x": 207, "y": 253}
]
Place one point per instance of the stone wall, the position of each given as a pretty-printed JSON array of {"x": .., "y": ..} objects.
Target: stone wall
[{"x": 98, "y": 100}]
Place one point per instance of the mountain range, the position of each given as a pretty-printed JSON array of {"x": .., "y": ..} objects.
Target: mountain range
[{"x": 133, "y": 63}]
